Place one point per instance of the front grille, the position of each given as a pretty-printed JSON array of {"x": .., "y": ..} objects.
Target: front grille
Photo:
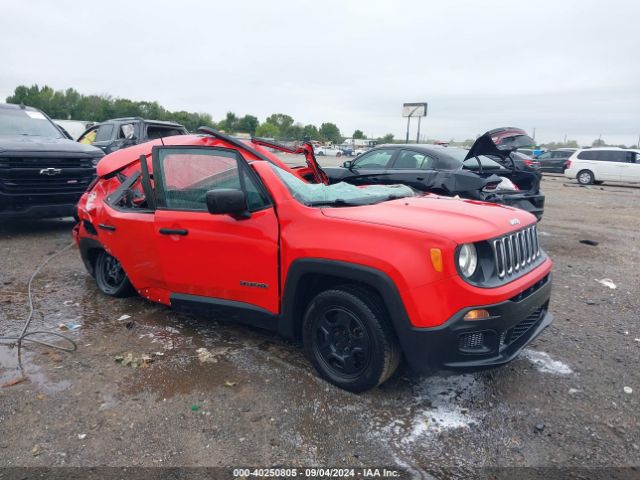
[
  {"x": 516, "y": 253},
  {"x": 514, "y": 333},
  {"x": 35, "y": 185},
  {"x": 42, "y": 175},
  {"x": 44, "y": 162}
]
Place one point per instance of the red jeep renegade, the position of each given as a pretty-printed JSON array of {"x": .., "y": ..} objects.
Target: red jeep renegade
[{"x": 363, "y": 276}]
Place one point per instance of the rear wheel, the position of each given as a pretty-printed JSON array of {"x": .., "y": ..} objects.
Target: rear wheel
[
  {"x": 585, "y": 177},
  {"x": 111, "y": 277},
  {"x": 349, "y": 340}
]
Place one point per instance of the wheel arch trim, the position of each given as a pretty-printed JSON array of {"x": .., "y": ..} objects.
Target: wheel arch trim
[{"x": 377, "y": 280}]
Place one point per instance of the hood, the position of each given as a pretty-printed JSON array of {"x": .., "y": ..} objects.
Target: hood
[
  {"x": 500, "y": 142},
  {"x": 456, "y": 219},
  {"x": 22, "y": 144}
]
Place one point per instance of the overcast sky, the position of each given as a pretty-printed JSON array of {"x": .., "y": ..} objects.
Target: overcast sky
[{"x": 563, "y": 67}]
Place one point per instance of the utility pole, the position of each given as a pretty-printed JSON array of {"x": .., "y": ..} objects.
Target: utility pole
[
  {"x": 565, "y": 139},
  {"x": 418, "y": 135},
  {"x": 534, "y": 134}
]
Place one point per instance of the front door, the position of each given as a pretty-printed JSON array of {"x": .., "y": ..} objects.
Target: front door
[
  {"x": 371, "y": 167},
  {"x": 214, "y": 256}
]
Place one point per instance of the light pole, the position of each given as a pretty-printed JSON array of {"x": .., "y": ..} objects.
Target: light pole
[{"x": 408, "y": 123}]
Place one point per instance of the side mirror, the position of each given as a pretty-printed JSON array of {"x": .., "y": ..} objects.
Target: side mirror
[
  {"x": 229, "y": 201},
  {"x": 348, "y": 164}
]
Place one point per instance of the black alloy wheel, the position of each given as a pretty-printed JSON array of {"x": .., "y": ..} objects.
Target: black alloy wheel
[
  {"x": 110, "y": 276},
  {"x": 341, "y": 342},
  {"x": 348, "y": 338}
]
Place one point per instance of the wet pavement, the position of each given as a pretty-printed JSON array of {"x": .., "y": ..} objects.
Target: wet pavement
[{"x": 252, "y": 399}]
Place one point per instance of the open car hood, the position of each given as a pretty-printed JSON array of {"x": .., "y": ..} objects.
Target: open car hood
[{"x": 500, "y": 142}]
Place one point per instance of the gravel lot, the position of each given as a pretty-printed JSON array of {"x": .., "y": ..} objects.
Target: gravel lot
[{"x": 257, "y": 402}]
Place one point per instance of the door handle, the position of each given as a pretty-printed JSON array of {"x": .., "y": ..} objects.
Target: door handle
[
  {"x": 104, "y": 226},
  {"x": 420, "y": 178},
  {"x": 173, "y": 231}
]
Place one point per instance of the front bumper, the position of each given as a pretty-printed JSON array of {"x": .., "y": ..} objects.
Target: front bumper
[
  {"x": 459, "y": 344},
  {"x": 38, "y": 211}
]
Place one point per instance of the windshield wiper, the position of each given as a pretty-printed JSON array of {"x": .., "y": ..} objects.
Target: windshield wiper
[{"x": 338, "y": 202}]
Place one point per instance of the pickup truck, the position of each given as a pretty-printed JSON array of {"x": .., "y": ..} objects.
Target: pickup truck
[
  {"x": 42, "y": 172},
  {"x": 363, "y": 277}
]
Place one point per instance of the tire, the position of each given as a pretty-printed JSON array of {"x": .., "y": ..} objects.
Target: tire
[
  {"x": 111, "y": 277},
  {"x": 339, "y": 154},
  {"x": 321, "y": 154},
  {"x": 585, "y": 177},
  {"x": 348, "y": 338}
]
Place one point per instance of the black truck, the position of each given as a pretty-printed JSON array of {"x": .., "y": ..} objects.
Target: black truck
[{"x": 42, "y": 172}]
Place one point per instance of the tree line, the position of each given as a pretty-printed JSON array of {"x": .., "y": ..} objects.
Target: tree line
[{"x": 69, "y": 104}]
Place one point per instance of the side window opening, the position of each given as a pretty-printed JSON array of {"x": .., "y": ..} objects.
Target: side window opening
[
  {"x": 159, "y": 131},
  {"x": 130, "y": 194},
  {"x": 186, "y": 175},
  {"x": 89, "y": 137},
  {"x": 104, "y": 132},
  {"x": 126, "y": 131},
  {"x": 375, "y": 159}
]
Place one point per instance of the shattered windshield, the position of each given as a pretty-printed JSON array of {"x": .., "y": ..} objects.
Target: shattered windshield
[{"x": 340, "y": 194}]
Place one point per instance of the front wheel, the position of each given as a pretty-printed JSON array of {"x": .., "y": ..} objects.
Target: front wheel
[
  {"x": 111, "y": 277},
  {"x": 349, "y": 340},
  {"x": 585, "y": 177}
]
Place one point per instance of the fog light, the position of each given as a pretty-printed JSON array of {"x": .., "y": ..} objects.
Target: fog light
[{"x": 479, "y": 314}]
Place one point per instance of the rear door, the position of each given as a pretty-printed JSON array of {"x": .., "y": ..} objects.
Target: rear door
[
  {"x": 412, "y": 168},
  {"x": 214, "y": 256},
  {"x": 558, "y": 160}
]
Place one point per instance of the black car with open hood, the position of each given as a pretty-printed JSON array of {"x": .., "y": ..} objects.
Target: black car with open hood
[
  {"x": 485, "y": 172},
  {"x": 42, "y": 172}
]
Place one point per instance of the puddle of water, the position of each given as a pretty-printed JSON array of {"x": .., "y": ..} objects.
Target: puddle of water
[
  {"x": 10, "y": 370},
  {"x": 437, "y": 404},
  {"x": 545, "y": 364}
]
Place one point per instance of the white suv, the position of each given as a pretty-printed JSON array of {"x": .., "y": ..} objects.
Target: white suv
[{"x": 597, "y": 165}]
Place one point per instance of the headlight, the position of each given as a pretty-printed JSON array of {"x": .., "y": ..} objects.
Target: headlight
[
  {"x": 468, "y": 259},
  {"x": 94, "y": 162}
]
